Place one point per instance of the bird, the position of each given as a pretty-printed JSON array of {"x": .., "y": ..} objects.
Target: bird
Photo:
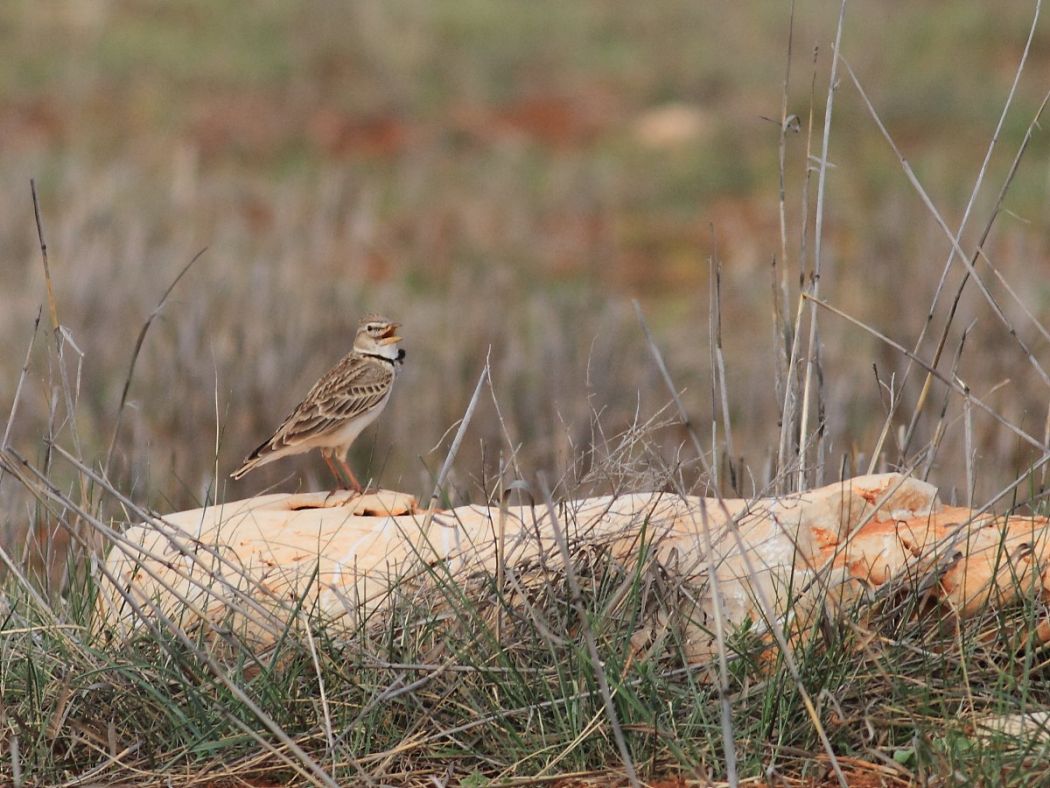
[{"x": 341, "y": 404}]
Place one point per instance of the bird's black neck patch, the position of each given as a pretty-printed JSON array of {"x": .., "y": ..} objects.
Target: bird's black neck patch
[{"x": 391, "y": 361}]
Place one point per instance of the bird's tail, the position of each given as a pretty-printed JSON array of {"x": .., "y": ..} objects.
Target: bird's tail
[
  {"x": 240, "y": 472},
  {"x": 253, "y": 460}
]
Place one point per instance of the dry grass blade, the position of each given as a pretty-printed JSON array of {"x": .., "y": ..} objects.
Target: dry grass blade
[
  {"x": 446, "y": 466},
  {"x": 782, "y": 336},
  {"x": 16, "y": 760},
  {"x": 453, "y": 450},
  {"x": 953, "y": 384},
  {"x": 719, "y": 368},
  {"x": 18, "y": 390},
  {"x": 210, "y": 560},
  {"x": 52, "y": 304},
  {"x": 818, "y": 233},
  {"x": 662, "y": 366},
  {"x": 764, "y": 603},
  {"x": 592, "y": 647},
  {"x": 69, "y": 393},
  {"x": 920, "y": 403},
  {"x": 329, "y": 735},
  {"x": 728, "y": 738},
  {"x": 135, "y": 355},
  {"x": 957, "y": 249},
  {"x": 501, "y": 547},
  {"x": 790, "y": 438},
  {"x": 303, "y": 763},
  {"x": 212, "y": 567},
  {"x": 781, "y": 174},
  {"x": 940, "y": 430},
  {"x": 23, "y": 581},
  {"x": 978, "y": 252}
]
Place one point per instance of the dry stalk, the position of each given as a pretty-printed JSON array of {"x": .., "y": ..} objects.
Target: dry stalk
[
  {"x": 449, "y": 459},
  {"x": 765, "y": 605},
  {"x": 957, "y": 249},
  {"x": 135, "y": 355},
  {"x": 953, "y": 384},
  {"x": 818, "y": 232},
  {"x": 18, "y": 389},
  {"x": 790, "y": 439},
  {"x": 52, "y": 304}
]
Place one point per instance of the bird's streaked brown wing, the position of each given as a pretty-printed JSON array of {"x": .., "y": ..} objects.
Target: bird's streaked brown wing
[{"x": 352, "y": 387}]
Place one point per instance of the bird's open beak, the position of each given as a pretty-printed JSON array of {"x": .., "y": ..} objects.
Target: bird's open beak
[{"x": 390, "y": 336}]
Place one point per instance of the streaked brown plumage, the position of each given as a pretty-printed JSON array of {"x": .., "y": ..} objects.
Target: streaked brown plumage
[{"x": 341, "y": 404}]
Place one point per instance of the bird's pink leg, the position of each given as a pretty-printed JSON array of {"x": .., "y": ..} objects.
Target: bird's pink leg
[
  {"x": 339, "y": 479},
  {"x": 349, "y": 473}
]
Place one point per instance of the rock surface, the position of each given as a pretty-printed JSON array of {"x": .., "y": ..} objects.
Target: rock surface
[{"x": 243, "y": 566}]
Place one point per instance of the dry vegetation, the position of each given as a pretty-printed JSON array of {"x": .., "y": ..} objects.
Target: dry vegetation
[{"x": 505, "y": 180}]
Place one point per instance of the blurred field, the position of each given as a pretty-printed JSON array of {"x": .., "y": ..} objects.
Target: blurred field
[{"x": 503, "y": 178}]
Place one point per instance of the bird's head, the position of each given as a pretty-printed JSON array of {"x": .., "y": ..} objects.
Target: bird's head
[{"x": 377, "y": 336}]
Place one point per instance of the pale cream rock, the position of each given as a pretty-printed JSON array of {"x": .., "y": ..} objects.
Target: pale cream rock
[{"x": 247, "y": 566}]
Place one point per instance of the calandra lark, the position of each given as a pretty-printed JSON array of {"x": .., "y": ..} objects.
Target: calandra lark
[{"x": 341, "y": 404}]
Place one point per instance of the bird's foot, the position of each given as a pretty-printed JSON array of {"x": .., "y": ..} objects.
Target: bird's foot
[{"x": 341, "y": 497}]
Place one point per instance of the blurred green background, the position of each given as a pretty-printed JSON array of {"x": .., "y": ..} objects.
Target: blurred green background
[{"x": 503, "y": 177}]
